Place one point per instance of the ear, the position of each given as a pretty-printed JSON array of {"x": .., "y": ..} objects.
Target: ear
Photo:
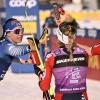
[{"x": 8, "y": 34}]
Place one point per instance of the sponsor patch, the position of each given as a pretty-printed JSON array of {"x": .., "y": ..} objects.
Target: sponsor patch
[{"x": 57, "y": 52}]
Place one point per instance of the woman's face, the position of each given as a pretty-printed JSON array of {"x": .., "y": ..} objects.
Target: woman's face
[{"x": 16, "y": 35}]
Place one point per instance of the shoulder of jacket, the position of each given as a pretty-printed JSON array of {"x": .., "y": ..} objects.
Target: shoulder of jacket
[
  {"x": 57, "y": 51},
  {"x": 79, "y": 49}
]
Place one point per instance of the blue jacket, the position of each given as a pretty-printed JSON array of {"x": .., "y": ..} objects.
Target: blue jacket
[{"x": 9, "y": 53}]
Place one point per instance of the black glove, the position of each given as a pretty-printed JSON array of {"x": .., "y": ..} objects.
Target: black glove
[{"x": 37, "y": 70}]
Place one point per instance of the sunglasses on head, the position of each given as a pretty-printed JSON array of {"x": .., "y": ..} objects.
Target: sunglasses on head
[{"x": 16, "y": 31}]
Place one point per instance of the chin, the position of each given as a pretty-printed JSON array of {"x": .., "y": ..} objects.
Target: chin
[{"x": 19, "y": 41}]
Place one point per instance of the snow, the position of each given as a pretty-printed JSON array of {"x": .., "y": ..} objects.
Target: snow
[{"x": 25, "y": 87}]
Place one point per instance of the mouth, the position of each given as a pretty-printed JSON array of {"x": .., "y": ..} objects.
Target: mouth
[{"x": 20, "y": 38}]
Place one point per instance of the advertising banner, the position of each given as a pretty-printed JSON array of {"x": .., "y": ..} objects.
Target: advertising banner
[
  {"x": 89, "y": 33},
  {"x": 86, "y": 19},
  {"x": 28, "y": 15}
]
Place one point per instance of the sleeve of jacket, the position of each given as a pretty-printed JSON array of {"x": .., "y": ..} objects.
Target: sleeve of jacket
[
  {"x": 47, "y": 75},
  {"x": 18, "y": 50},
  {"x": 95, "y": 50}
]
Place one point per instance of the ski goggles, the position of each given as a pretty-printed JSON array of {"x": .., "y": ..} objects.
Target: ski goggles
[{"x": 17, "y": 31}]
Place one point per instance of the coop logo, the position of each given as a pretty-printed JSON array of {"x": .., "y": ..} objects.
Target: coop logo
[{"x": 21, "y": 3}]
